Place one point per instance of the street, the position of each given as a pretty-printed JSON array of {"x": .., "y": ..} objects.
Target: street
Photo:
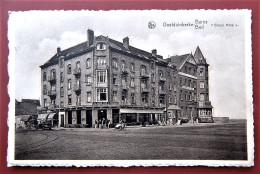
[{"x": 203, "y": 142}]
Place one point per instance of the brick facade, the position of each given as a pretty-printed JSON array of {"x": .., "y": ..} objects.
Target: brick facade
[{"x": 104, "y": 78}]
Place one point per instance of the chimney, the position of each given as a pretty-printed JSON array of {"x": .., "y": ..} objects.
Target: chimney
[
  {"x": 58, "y": 51},
  {"x": 126, "y": 42},
  {"x": 90, "y": 36},
  {"x": 154, "y": 52}
]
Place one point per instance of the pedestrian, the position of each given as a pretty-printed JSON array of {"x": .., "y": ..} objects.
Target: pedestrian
[
  {"x": 99, "y": 124},
  {"x": 96, "y": 123},
  {"x": 108, "y": 124}
]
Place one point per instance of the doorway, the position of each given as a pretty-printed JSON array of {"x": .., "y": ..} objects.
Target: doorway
[
  {"x": 102, "y": 114},
  {"x": 89, "y": 118}
]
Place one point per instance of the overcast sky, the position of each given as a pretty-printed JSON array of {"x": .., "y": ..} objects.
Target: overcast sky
[{"x": 39, "y": 33}]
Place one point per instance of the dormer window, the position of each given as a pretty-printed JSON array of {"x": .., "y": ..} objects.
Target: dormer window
[
  {"x": 200, "y": 59},
  {"x": 101, "y": 46}
]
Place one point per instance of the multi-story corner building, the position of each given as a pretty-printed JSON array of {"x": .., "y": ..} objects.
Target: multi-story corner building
[{"x": 104, "y": 78}]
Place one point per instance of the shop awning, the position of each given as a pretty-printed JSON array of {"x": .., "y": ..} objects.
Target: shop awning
[
  {"x": 173, "y": 107},
  {"x": 143, "y": 111},
  {"x": 51, "y": 115},
  {"x": 42, "y": 116},
  {"x": 25, "y": 117}
]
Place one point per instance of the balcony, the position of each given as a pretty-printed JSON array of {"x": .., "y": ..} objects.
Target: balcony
[
  {"x": 52, "y": 93},
  {"x": 52, "y": 79},
  {"x": 162, "y": 79},
  {"x": 77, "y": 72},
  {"x": 162, "y": 92},
  {"x": 124, "y": 71},
  {"x": 145, "y": 90},
  {"x": 162, "y": 105},
  {"x": 144, "y": 75},
  {"x": 124, "y": 102},
  {"x": 125, "y": 87},
  {"x": 52, "y": 106},
  {"x": 77, "y": 88}
]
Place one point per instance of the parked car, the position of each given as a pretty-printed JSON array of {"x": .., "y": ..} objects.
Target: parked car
[
  {"x": 44, "y": 125},
  {"x": 120, "y": 126}
]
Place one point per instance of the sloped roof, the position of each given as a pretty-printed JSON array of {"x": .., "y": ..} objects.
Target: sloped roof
[
  {"x": 178, "y": 60},
  {"x": 26, "y": 107},
  {"x": 68, "y": 52},
  {"x": 197, "y": 55},
  {"x": 81, "y": 48}
]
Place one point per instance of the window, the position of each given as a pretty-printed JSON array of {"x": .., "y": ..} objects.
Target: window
[
  {"x": 170, "y": 99},
  {"x": 190, "y": 96},
  {"x": 185, "y": 96},
  {"x": 185, "y": 69},
  {"x": 181, "y": 95},
  {"x": 174, "y": 87},
  {"x": 114, "y": 79},
  {"x": 201, "y": 72},
  {"x": 175, "y": 100},
  {"x": 101, "y": 46},
  {"x": 180, "y": 80},
  {"x": 69, "y": 83},
  {"x": 152, "y": 65},
  {"x": 200, "y": 59},
  {"x": 53, "y": 88},
  {"x": 153, "y": 92},
  {"x": 78, "y": 100},
  {"x": 124, "y": 80},
  {"x": 143, "y": 69},
  {"x": 101, "y": 94},
  {"x": 53, "y": 74},
  {"x": 44, "y": 76},
  {"x": 69, "y": 69},
  {"x": 101, "y": 61},
  {"x": 144, "y": 98},
  {"x": 161, "y": 100},
  {"x": 114, "y": 97},
  {"x": 101, "y": 76},
  {"x": 144, "y": 84},
  {"x": 45, "y": 103},
  {"x": 123, "y": 66},
  {"x": 132, "y": 98},
  {"x": 160, "y": 73},
  {"x": 132, "y": 82},
  {"x": 201, "y": 84},
  {"x": 44, "y": 89},
  {"x": 124, "y": 96},
  {"x": 132, "y": 67},
  {"x": 201, "y": 97},
  {"x": 89, "y": 97},
  {"x": 170, "y": 87},
  {"x": 114, "y": 63},
  {"x": 69, "y": 99},
  {"x": 61, "y": 63},
  {"x": 152, "y": 78},
  {"x": 88, "y": 79},
  {"x": 78, "y": 65},
  {"x": 61, "y": 92},
  {"x": 189, "y": 83},
  {"x": 88, "y": 63},
  {"x": 62, "y": 104},
  {"x": 61, "y": 77}
]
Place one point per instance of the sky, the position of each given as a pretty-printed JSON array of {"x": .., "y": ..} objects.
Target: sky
[{"x": 37, "y": 34}]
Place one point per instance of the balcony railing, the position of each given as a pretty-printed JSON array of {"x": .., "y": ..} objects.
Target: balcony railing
[
  {"x": 162, "y": 92},
  {"x": 144, "y": 90},
  {"x": 52, "y": 93},
  {"x": 52, "y": 79},
  {"x": 124, "y": 71},
  {"x": 125, "y": 87},
  {"x": 144, "y": 75},
  {"x": 77, "y": 88},
  {"x": 124, "y": 103},
  {"x": 162, "y": 79},
  {"x": 77, "y": 72}
]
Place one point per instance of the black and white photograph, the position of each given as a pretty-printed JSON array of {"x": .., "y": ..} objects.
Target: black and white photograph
[{"x": 130, "y": 88}]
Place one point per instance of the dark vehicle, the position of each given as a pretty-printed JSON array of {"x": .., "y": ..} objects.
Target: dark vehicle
[
  {"x": 44, "y": 125},
  {"x": 184, "y": 120}
]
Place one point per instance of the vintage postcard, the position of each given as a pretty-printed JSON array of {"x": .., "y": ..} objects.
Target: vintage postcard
[{"x": 130, "y": 88}]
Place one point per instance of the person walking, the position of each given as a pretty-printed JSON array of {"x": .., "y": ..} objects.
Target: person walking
[
  {"x": 96, "y": 123},
  {"x": 99, "y": 124}
]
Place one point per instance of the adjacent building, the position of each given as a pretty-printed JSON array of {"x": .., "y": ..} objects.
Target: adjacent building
[{"x": 105, "y": 78}]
